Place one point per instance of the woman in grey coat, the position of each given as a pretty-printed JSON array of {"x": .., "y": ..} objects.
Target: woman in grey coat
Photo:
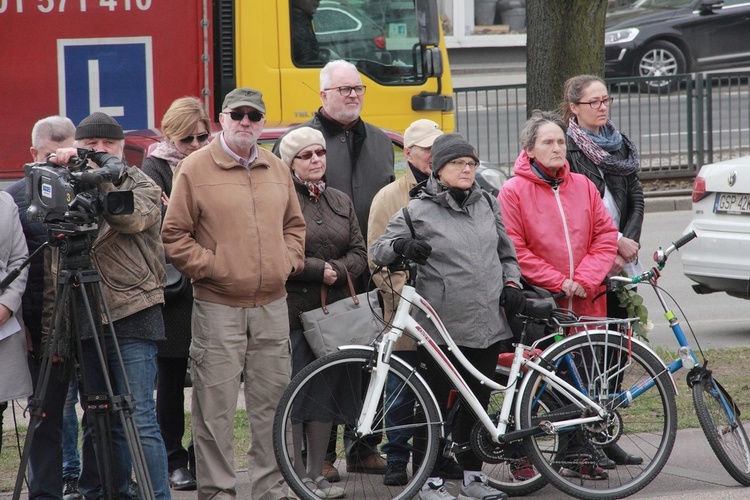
[
  {"x": 15, "y": 379},
  {"x": 467, "y": 268}
]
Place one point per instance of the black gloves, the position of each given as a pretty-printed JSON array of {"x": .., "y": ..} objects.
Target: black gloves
[
  {"x": 513, "y": 301},
  {"x": 418, "y": 251}
]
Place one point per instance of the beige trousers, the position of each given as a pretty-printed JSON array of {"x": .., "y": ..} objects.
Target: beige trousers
[{"x": 228, "y": 341}]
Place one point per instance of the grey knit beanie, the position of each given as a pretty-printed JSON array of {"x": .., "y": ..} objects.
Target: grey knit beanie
[
  {"x": 99, "y": 125},
  {"x": 448, "y": 147},
  {"x": 297, "y": 140}
]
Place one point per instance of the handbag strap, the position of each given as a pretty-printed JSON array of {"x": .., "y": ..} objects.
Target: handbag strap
[{"x": 324, "y": 293}]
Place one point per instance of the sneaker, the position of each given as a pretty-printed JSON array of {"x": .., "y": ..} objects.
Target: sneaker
[
  {"x": 583, "y": 466},
  {"x": 449, "y": 469},
  {"x": 478, "y": 489},
  {"x": 395, "y": 474},
  {"x": 321, "y": 488},
  {"x": 435, "y": 492},
  {"x": 70, "y": 489},
  {"x": 522, "y": 470}
]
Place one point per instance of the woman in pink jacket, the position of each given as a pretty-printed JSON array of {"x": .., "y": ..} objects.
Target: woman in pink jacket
[{"x": 564, "y": 236}]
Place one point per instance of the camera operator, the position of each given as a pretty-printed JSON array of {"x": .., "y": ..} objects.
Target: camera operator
[{"x": 129, "y": 256}]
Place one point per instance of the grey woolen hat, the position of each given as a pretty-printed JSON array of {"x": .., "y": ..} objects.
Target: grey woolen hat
[
  {"x": 99, "y": 125},
  {"x": 297, "y": 140},
  {"x": 448, "y": 147}
]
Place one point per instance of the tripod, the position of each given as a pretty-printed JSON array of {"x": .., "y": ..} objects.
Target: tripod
[{"x": 79, "y": 295}]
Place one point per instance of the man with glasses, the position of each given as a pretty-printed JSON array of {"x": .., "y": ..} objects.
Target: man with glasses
[
  {"x": 360, "y": 155},
  {"x": 235, "y": 227}
]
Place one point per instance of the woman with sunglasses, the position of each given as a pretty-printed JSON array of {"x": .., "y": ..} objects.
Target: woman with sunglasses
[
  {"x": 333, "y": 247},
  {"x": 186, "y": 128}
]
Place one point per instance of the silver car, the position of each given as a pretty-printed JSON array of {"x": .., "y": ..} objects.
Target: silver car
[{"x": 719, "y": 259}]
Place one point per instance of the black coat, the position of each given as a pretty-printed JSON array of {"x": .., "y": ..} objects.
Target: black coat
[
  {"x": 332, "y": 235},
  {"x": 626, "y": 190},
  {"x": 177, "y": 312}
]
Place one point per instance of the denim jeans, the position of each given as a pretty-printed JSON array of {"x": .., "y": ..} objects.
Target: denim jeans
[
  {"x": 71, "y": 458},
  {"x": 401, "y": 412},
  {"x": 139, "y": 359}
]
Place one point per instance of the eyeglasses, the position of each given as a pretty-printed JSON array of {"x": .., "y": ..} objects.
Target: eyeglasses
[
  {"x": 309, "y": 154},
  {"x": 596, "y": 104},
  {"x": 189, "y": 139},
  {"x": 253, "y": 116},
  {"x": 345, "y": 91},
  {"x": 460, "y": 164}
]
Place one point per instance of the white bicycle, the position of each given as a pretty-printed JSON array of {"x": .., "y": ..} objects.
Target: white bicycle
[{"x": 591, "y": 388}]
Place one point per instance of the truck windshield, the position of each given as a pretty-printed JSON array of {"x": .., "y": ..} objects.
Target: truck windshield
[{"x": 379, "y": 37}]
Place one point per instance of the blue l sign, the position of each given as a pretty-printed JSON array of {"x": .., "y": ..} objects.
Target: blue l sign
[{"x": 111, "y": 75}]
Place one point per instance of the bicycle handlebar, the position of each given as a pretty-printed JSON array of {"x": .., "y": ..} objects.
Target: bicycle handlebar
[{"x": 660, "y": 257}]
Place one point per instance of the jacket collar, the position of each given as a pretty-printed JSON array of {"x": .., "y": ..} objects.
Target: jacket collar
[{"x": 522, "y": 168}]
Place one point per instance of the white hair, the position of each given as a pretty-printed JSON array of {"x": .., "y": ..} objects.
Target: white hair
[
  {"x": 328, "y": 69},
  {"x": 54, "y": 129}
]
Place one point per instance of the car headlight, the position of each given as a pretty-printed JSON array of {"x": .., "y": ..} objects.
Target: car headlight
[{"x": 620, "y": 36}]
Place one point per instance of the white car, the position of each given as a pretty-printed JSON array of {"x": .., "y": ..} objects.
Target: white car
[{"x": 719, "y": 259}]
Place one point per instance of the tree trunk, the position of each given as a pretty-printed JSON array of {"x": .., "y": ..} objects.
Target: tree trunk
[{"x": 565, "y": 38}]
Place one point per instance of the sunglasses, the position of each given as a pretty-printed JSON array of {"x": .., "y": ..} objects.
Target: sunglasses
[
  {"x": 189, "y": 139},
  {"x": 253, "y": 116},
  {"x": 308, "y": 154}
]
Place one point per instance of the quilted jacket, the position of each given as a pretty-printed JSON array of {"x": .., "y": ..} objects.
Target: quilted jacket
[{"x": 332, "y": 236}]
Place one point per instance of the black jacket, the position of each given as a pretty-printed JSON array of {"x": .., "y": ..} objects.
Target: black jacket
[{"x": 626, "y": 190}]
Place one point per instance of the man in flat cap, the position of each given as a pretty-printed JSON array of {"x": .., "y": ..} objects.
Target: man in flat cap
[
  {"x": 235, "y": 227},
  {"x": 129, "y": 256}
]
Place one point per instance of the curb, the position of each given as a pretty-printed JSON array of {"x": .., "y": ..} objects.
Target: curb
[{"x": 668, "y": 204}]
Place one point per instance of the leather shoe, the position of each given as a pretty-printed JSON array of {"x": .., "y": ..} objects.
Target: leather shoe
[
  {"x": 372, "y": 464},
  {"x": 182, "y": 479},
  {"x": 330, "y": 472},
  {"x": 602, "y": 460},
  {"x": 621, "y": 457}
]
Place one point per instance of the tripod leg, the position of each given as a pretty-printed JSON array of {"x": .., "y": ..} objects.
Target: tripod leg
[{"x": 97, "y": 388}]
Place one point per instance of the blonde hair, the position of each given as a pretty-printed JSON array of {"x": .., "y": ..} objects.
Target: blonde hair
[{"x": 182, "y": 116}]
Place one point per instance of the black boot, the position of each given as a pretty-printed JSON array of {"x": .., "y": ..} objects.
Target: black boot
[{"x": 621, "y": 457}]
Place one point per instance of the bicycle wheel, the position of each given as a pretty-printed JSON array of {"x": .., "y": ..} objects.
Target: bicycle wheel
[
  {"x": 719, "y": 418},
  {"x": 613, "y": 371},
  {"x": 332, "y": 389},
  {"x": 507, "y": 466}
]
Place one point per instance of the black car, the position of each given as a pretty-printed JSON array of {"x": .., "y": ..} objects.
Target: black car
[{"x": 669, "y": 37}]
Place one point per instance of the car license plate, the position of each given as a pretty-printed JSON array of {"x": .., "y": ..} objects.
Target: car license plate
[{"x": 732, "y": 203}]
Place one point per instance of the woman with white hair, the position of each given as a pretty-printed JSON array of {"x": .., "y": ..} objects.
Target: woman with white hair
[{"x": 333, "y": 247}]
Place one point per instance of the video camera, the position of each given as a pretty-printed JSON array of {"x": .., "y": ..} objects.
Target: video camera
[{"x": 68, "y": 198}]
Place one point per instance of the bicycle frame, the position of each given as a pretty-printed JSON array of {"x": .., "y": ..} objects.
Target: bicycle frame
[
  {"x": 403, "y": 322},
  {"x": 650, "y": 278}
]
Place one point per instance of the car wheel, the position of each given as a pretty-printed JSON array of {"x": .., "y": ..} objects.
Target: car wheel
[{"x": 660, "y": 58}]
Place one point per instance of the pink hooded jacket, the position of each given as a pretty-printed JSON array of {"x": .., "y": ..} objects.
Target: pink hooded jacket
[{"x": 559, "y": 233}]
